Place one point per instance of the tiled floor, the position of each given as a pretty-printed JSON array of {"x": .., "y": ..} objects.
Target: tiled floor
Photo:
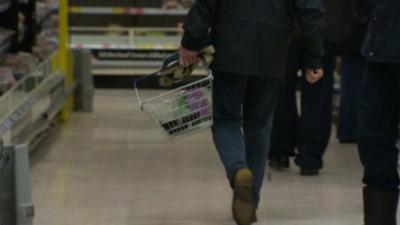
[{"x": 113, "y": 167}]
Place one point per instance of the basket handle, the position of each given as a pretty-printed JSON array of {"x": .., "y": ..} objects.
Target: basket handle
[
  {"x": 136, "y": 82},
  {"x": 202, "y": 57}
]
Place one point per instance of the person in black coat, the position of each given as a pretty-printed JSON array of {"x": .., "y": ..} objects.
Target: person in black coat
[
  {"x": 352, "y": 70},
  {"x": 251, "y": 39},
  {"x": 379, "y": 113},
  {"x": 308, "y": 132}
]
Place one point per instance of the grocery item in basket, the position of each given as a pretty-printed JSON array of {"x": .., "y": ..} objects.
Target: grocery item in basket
[
  {"x": 191, "y": 109},
  {"x": 180, "y": 110},
  {"x": 197, "y": 101},
  {"x": 182, "y": 105}
]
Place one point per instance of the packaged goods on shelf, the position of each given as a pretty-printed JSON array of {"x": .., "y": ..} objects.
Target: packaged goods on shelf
[
  {"x": 176, "y": 4},
  {"x": 22, "y": 63},
  {"x": 44, "y": 9},
  {"x": 7, "y": 79},
  {"x": 5, "y": 35},
  {"x": 45, "y": 46},
  {"x": 21, "y": 22},
  {"x": 51, "y": 23},
  {"x": 186, "y": 3},
  {"x": 169, "y": 4},
  {"x": 49, "y": 3}
]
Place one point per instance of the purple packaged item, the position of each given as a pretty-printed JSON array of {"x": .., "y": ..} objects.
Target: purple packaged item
[{"x": 197, "y": 102}]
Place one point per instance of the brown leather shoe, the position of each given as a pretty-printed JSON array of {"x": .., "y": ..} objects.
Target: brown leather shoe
[{"x": 243, "y": 206}]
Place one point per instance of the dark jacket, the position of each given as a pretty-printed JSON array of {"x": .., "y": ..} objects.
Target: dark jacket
[
  {"x": 339, "y": 17},
  {"x": 352, "y": 43},
  {"x": 358, "y": 13},
  {"x": 382, "y": 42},
  {"x": 252, "y": 37}
]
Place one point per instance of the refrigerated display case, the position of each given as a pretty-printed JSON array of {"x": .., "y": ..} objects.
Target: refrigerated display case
[{"x": 32, "y": 89}]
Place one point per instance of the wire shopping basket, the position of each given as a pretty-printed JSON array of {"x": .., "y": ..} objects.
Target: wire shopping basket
[{"x": 182, "y": 111}]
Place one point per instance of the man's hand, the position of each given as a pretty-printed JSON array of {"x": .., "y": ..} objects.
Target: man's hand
[
  {"x": 187, "y": 57},
  {"x": 314, "y": 75}
]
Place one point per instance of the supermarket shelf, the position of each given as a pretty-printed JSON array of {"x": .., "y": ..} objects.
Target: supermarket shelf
[
  {"x": 25, "y": 103},
  {"x": 123, "y": 47},
  {"x": 41, "y": 128},
  {"x": 127, "y": 11},
  {"x": 4, "y": 6},
  {"x": 140, "y": 38}
]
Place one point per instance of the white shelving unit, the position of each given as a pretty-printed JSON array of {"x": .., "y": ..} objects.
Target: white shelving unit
[
  {"x": 28, "y": 101},
  {"x": 125, "y": 38},
  {"x": 30, "y": 105},
  {"x": 125, "y": 51},
  {"x": 128, "y": 11}
]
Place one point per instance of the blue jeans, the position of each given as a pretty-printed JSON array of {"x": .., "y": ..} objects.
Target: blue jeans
[
  {"x": 352, "y": 73},
  {"x": 246, "y": 102},
  {"x": 379, "y": 112}
]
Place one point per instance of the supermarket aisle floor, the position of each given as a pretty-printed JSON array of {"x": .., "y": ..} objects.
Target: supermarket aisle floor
[{"x": 112, "y": 167}]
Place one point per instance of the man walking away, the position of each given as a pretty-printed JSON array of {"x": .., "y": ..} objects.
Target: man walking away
[{"x": 251, "y": 39}]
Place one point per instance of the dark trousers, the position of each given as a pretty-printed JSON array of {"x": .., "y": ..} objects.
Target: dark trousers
[
  {"x": 244, "y": 103},
  {"x": 378, "y": 125},
  {"x": 310, "y": 131},
  {"x": 352, "y": 73}
]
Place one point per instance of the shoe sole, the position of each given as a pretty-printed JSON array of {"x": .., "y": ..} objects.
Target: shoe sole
[{"x": 242, "y": 206}]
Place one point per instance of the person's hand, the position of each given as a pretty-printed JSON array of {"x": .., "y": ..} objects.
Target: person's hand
[
  {"x": 314, "y": 75},
  {"x": 187, "y": 57}
]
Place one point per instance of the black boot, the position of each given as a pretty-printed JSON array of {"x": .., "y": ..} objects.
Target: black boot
[
  {"x": 380, "y": 207},
  {"x": 279, "y": 162}
]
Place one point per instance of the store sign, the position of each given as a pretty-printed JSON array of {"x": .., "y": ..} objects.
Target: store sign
[{"x": 142, "y": 55}]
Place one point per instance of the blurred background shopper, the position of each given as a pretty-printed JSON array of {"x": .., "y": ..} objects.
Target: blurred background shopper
[
  {"x": 252, "y": 40},
  {"x": 379, "y": 113},
  {"x": 309, "y": 130}
]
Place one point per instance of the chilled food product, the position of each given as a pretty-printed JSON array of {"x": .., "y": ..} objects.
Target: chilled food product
[
  {"x": 7, "y": 79},
  {"x": 186, "y": 3},
  {"x": 169, "y": 4},
  {"x": 23, "y": 63},
  {"x": 45, "y": 46},
  {"x": 176, "y": 4},
  {"x": 5, "y": 35}
]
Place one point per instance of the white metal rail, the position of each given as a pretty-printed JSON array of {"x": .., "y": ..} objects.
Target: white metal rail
[
  {"x": 127, "y": 38},
  {"x": 127, "y": 11},
  {"x": 14, "y": 97}
]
